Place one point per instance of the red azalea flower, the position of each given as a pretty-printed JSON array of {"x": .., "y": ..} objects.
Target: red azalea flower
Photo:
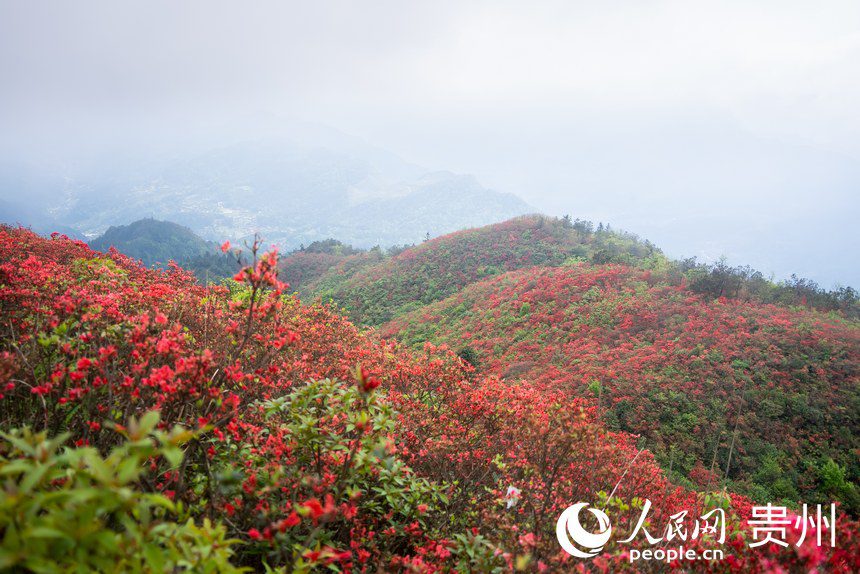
[
  {"x": 292, "y": 520},
  {"x": 313, "y": 507}
]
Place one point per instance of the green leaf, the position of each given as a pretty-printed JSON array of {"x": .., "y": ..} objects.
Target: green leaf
[
  {"x": 22, "y": 445},
  {"x": 34, "y": 477},
  {"x": 148, "y": 422},
  {"x": 173, "y": 455},
  {"x": 47, "y": 532}
]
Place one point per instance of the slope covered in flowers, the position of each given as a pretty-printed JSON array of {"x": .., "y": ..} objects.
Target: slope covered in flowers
[
  {"x": 373, "y": 291},
  {"x": 775, "y": 389},
  {"x": 90, "y": 341},
  {"x": 305, "y": 442},
  {"x": 309, "y": 270}
]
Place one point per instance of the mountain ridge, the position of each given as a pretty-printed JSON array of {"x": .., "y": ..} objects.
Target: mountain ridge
[
  {"x": 609, "y": 369},
  {"x": 297, "y": 184},
  {"x": 156, "y": 243}
]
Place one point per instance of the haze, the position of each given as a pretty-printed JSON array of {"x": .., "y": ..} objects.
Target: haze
[{"x": 720, "y": 128}]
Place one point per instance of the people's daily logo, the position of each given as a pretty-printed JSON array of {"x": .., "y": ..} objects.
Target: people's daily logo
[
  {"x": 572, "y": 535},
  {"x": 769, "y": 524}
]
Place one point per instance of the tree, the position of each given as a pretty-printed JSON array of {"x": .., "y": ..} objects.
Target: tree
[{"x": 470, "y": 355}]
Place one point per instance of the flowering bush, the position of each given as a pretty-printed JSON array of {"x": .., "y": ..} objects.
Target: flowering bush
[
  {"x": 309, "y": 443},
  {"x": 761, "y": 395},
  {"x": 305, "y": 474},
  {"x": 350, "y": 500}
]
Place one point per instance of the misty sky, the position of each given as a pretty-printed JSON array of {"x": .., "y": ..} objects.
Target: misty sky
[{"x": 708, "y": 127}]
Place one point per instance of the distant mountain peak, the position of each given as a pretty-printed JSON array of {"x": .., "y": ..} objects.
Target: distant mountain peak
[
  {"x": 156, "y": 242},
  {"x": 293, "y": 185}
]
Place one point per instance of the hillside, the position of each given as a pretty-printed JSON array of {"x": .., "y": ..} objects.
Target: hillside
[
  {"x": 156, "y": 243},
  {"x": 374, "y": 290},
  {"x": 730, "y": 378},
  {"x": 331, "y": 258},
  {"x": 706, "y": 362},
  {"x": 761, "y": 398},
  {"x": 290, "y": 453},
  {"x": 376, "y": 285}
]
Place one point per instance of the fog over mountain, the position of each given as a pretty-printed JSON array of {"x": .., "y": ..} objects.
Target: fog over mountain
[
  {"x": 296, "y": 184},
  {"x": 728, "y": 128}
]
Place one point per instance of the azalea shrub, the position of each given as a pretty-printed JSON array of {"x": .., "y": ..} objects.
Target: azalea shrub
[
  {"x": 288, "y": 439},
  {"x": 319, "y": 483},
  {"x": 759, "y": 398},
  {"x": 292, "y": 451},
  {"x": 524, "y": 456}
]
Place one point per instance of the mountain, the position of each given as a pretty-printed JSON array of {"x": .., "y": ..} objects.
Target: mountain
[
  {"x": 706, "y": 363},
  {"x": 766, "y": 396},
  {"x": 294, "y": 439},
  {"x": 156, "y": 243},
  {"x": 375, "y": 286},
  {"x": 373, "y": 289},
  {"x": 295, "y": 184}
]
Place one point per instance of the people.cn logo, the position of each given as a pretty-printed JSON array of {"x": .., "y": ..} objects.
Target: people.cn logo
[{"x": 569, "y": 527}]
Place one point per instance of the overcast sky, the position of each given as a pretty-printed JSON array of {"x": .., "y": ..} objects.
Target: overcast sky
[{"x": 709, "y": 127}]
